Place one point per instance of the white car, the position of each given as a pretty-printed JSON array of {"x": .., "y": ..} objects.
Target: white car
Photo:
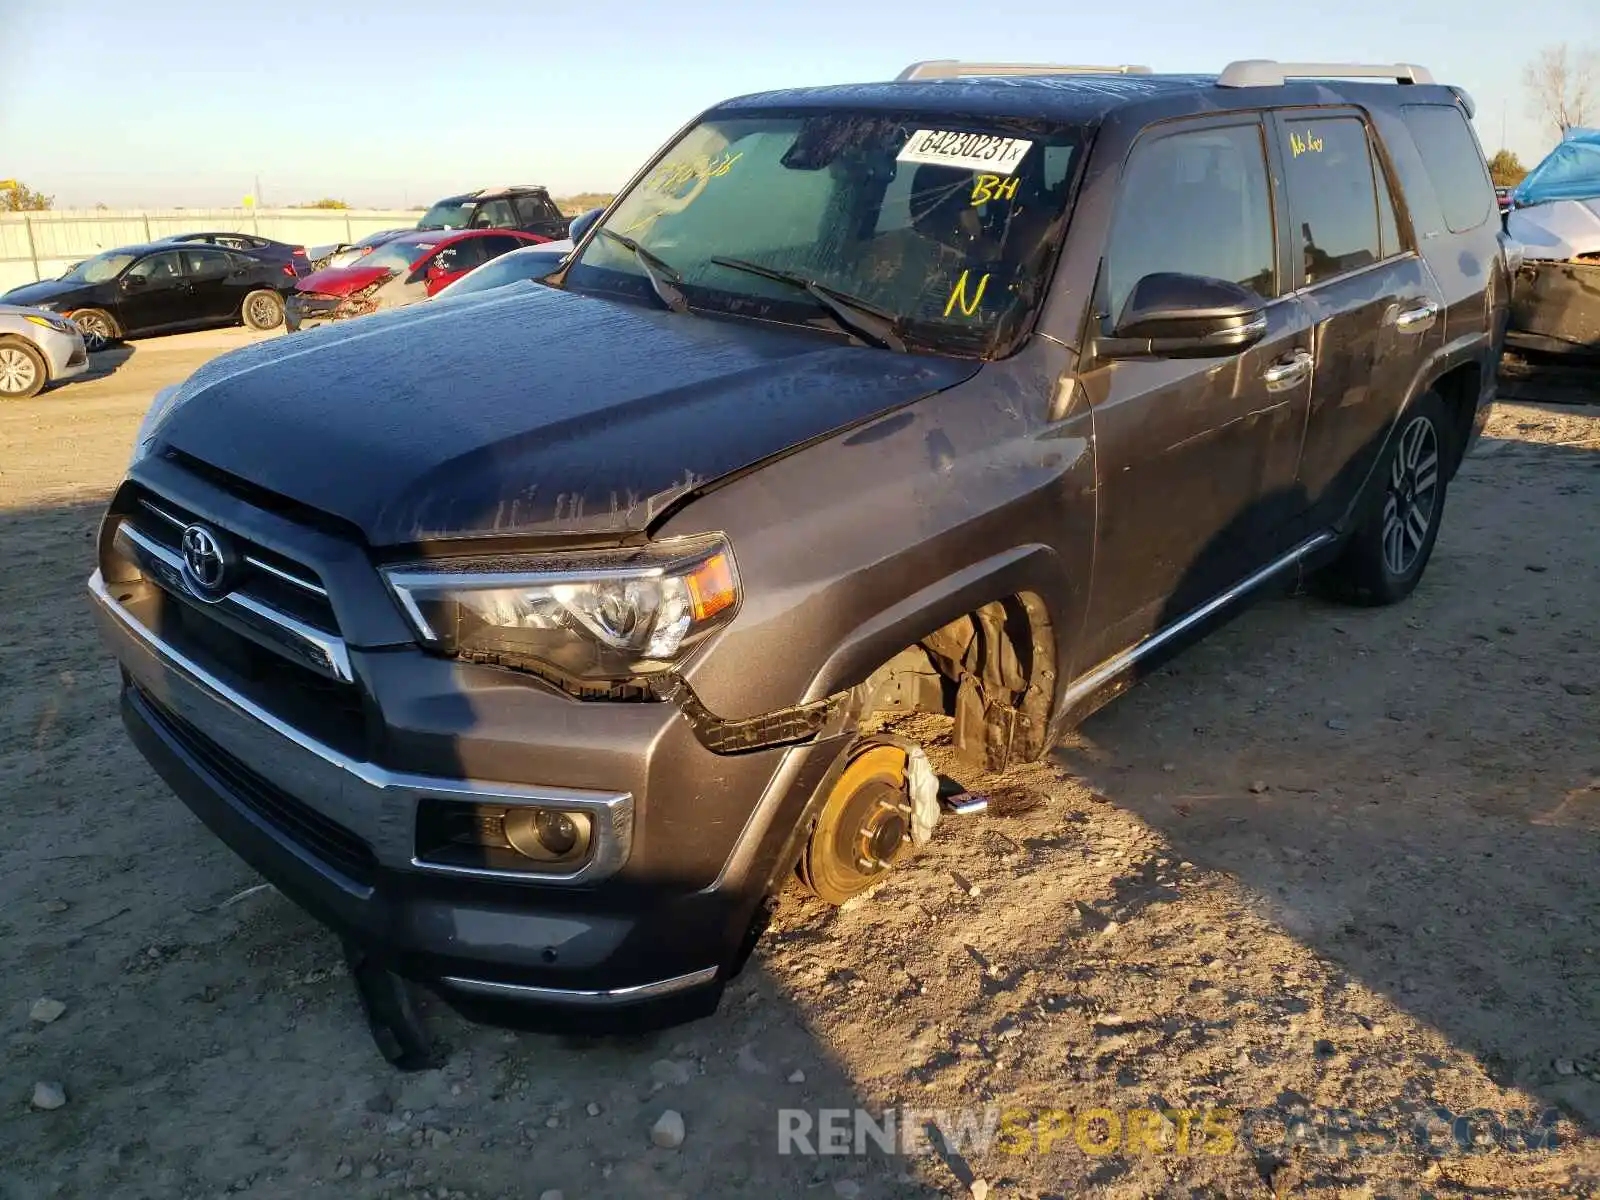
[
  {"x": 527, "y": 264},
  {"x": 37, "y": 348}
]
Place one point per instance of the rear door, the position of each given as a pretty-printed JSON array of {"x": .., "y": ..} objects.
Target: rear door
[
  {"x": 1371, "y": 301},
  {"x": 1196, "y": 457},
  {"x": 212, "y": 294}
]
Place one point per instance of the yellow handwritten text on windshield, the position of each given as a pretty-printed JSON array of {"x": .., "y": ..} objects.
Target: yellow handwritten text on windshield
[{"x": 958, "y": 296}]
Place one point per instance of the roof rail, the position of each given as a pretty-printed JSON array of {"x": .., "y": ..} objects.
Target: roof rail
[
  {"x": 1264, "y": 72},
  {"x": 950, "y": 68}
]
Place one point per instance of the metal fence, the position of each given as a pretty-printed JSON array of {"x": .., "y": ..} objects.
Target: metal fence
[{"x": 43, "y": 245}]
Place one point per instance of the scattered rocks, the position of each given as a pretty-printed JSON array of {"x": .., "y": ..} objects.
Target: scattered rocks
[
  {"x": 1578, "y": 689},
  {"x": 380, "y": 1102},
  {"x": 1338, "y": 723},
  {"x": 848, "y": 1188},
  {"x": 797, "y": 1076},
  {"x": 669, "y": 1072},
  {"x": 46, "y": 1010},
  {"x": 55, "y": 906},
  {"x": 980, "y": 1189},
  {"x": 48, "y": 1096},
  {"x": 1258, "y": 787},
  {"x": 1565, "y": 1066},
  {"x": 668, "y": 1131},
  {"x": 1324, "y": 1048},
  {"x": 552, "y": 1123},
  {"x": 552, "y": 1194},
  {"x": 592, "y": 1109},
  {"x": 344, "y": 1170},
  {"x": 369, "y": 1171},
  {"x": 438, "y": 1139}
]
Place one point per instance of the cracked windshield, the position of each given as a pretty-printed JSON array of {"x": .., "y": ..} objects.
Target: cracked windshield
[{"x": 928, "y": 232}]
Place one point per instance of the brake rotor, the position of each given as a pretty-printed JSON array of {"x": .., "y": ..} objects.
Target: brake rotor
[{"x": 864, "y": 827}]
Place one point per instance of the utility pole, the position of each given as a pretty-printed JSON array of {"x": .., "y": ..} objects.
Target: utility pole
[{"x": 1503, "y": 106}]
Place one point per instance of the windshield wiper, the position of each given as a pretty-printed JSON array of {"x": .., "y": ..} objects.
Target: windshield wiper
[
  {"x": 858, "y": 316},
  {"x": 663, "y": 276}
]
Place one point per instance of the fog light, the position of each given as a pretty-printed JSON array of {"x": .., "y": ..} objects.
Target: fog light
[
  {"x": 496, "y": 837},
  {"x": 547, "y": 835}
]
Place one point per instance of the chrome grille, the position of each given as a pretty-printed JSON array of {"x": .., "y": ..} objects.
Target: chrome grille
[{"x": 277, "y": 603}]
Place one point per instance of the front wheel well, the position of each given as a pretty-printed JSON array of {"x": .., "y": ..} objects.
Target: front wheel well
[{"x": 993, "y": 670}]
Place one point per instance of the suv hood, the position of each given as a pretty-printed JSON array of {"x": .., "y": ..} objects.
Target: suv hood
[{"x": 537, "y": 412}]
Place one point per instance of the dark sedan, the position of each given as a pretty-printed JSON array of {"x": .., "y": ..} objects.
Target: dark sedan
[
  {"x": 162, "y": 288},
  {"x": 248, "y": 243}
]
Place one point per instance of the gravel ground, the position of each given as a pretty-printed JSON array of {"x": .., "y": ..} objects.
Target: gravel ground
[{"x": 1332, "y": 869}]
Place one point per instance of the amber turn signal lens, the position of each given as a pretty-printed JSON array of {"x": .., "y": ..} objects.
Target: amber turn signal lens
[{"x": 711, "y": 587}]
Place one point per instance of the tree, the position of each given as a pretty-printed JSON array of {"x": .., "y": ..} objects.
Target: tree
[
  {"x": 327, "y": 202},
  {"x": 1560, "y": 85},
  {"x": 16, "y": 196},
  {"x": 1506, "y": 169}
]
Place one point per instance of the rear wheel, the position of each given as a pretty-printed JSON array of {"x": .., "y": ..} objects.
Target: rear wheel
[
  {"x": 1390, "y": 548},
  {"x": 864, "y": 827},
  {"x": 23, "y": 371},
  {"x": 262, "y": 309},
  {"x": 97, "y": 327}
]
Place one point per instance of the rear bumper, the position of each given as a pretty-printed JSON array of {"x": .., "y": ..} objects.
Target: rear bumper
[
  {"x": 1555, "y": 307},
  {"x": 633, "y": 950}
]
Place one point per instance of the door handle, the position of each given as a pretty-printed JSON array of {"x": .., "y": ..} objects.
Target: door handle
[
  {"x": 1418, "y": 319},
  {"x": 1288, "y": 372}
]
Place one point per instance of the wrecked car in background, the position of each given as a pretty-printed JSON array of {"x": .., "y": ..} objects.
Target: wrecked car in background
[
  {"x": 1556, "y": 218},
  {"x": 400, "y": 271},
  {"x": 527, "y": 265},
  {"x": 342, "y": 254}
]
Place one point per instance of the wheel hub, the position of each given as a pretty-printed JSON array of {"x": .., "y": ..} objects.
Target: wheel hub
[
  {"x": 882, "y": 828},
  {"x": 1412, "y": 495}
]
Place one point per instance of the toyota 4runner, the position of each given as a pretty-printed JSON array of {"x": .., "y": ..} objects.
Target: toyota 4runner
[{"x": 974, "y": 392}]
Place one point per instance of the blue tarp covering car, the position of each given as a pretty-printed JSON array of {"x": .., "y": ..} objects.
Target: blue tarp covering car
[{"x": 1569, "y": 172}]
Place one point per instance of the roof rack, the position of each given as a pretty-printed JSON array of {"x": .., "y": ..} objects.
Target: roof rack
[
  {"x": 950, "y": 68},
  {"x": 1264, "y": 72}
]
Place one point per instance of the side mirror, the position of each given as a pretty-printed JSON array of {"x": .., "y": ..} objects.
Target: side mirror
[
  {"x": 580, "y": 224},
  {"x": 1170, "y": 315}
]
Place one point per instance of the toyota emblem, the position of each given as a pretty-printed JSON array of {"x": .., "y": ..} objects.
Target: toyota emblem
[{"x": 207, "y": 562}]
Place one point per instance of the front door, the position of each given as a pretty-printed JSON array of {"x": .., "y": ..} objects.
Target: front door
[
  {"x": 152, "y": 293},
  {"x": 449, "y": 263},
  {"x": 1371, "y": 301},
  {"x": 1196, "y": 458}
]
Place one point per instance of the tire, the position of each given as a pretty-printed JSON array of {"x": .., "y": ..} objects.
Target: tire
[
  {"x": 1385, "y": 556},
  {"x": 23, "y": 370},
  {"x": 262, "y": 309},
  {"x": 98, "y": 327}
]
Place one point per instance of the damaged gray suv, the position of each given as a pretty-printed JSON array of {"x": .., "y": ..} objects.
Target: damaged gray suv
[{"x": 974, "y": 392}]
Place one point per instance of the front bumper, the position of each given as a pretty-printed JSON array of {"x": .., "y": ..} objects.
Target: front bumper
[
  {"x": 336, "y": 835},
  {"x": 302, "y": 311},
  {"x": 64, "y": 352}
]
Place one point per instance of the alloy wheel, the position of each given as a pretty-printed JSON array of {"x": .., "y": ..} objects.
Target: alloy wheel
[
  {"x": 96, "y": 333},
  {"x": 263, "y": 313},
  {"x": 1413, "y": 496},
  {"x": 18, "y": 372}
]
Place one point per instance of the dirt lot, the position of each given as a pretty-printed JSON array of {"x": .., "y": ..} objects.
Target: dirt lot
[{"x": 1331, "y": 859}]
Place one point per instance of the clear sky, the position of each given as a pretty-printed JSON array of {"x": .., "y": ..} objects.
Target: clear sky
[{"x": 178, "y": 102}]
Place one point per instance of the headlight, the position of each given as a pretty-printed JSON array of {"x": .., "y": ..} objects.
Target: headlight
[
  {"x": 57, "y": 323},
  {"x": 160, "y": 405},
  {"x": 594, "y": 615}
]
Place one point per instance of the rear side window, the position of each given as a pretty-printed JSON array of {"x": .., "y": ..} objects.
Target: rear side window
[
  {"x": 534, "y": 209},
  {"x": 1328, "y": 171},
  {"x": 1196, "y": 203},
  {"x": 1454, "y": 163}
]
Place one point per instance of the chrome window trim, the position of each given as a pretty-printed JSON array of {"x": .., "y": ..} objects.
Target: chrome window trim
[{"x": 287, "y": 576}]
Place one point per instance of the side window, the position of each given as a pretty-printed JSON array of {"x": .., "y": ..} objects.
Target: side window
[
  {"x": 533, "y": 210},
  {"x": 498, "y": 244},
  {"x": 1388, "y": 225},
  {"x": 1454, "y": 163},
  {"x": 1196, "y": 203},
  {"x": 460, "y": 256},
  {"x": 158, "y": 268},
  {"x": 205, "y": 264},
  {"x": 495, "y": 214},
  {"x": 1328, "y": 169}
]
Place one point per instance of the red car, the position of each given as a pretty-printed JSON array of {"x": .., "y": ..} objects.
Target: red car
[{"x": 403, "y": 270}]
